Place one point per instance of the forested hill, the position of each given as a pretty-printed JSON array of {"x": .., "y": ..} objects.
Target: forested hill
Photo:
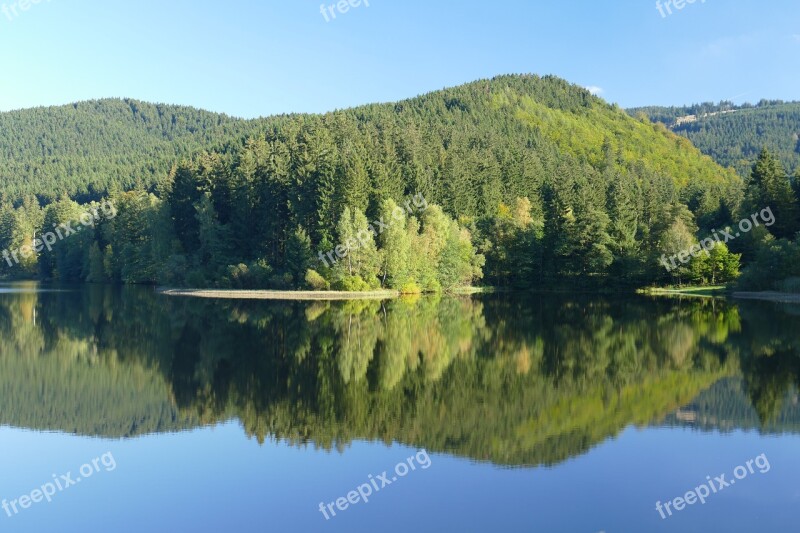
[
  {"x": 734, "y": 135},
  {"x": 99, "y": 145},
  {"x": 531, "y": 177}
]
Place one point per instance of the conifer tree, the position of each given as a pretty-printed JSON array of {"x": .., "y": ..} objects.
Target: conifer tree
[{"x": 770, "y": 187}]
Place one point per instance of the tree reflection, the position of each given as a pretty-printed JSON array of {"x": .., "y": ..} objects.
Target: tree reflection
[{"x": 513, "y": 380}]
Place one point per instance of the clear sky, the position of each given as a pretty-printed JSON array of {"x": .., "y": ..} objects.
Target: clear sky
[{"x": 260, "y": 57}]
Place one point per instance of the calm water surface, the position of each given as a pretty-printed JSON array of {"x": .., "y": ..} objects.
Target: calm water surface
[{"x": 526, "y": 413}]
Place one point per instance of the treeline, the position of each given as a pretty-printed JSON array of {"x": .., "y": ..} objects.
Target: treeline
[
  {"x": 87, "y": 149},
  {"x": 538, "y": 178},
  {"x": 736, "y": 139},
  {"x": 669, "y": 115},
  {"x": 772, "y": 254},
  {"x": 764, "y": 235}
]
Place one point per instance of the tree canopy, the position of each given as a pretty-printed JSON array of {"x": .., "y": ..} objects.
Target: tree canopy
[{"x": 526, "y": 180}]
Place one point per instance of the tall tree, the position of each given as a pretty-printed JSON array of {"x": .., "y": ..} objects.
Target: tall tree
[
  {"x": 770, "y": 187},
  {"x": 395, "y": 246}
]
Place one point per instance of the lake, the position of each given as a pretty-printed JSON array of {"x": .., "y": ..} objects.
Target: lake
[{"x": 126, "y": 410}]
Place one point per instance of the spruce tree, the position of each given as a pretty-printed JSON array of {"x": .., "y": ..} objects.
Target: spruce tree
[{"x": 770, "y": 187}]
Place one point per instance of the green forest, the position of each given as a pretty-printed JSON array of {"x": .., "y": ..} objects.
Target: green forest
[
  {"x": 734, "y": 135},
  {"x": 88, "y": 149},
  {"x": 518, "y": 181}
]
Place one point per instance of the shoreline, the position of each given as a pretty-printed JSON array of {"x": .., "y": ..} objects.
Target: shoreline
[
  {"x": 769, "y": 296},
  {"x": 222, "y": 294},
  {"x": 711, "y": 291}
]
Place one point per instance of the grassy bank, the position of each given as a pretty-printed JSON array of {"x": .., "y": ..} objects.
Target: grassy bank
[
  {"x": 280, "y": 295},
  {"x": 708, "y": 291}
]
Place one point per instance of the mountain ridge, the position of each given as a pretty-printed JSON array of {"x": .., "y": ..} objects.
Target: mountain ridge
[
  {"x": 590, "y": 193},
  {"x": 85, "y": 148},
  {"x": 735, "y": 134}
]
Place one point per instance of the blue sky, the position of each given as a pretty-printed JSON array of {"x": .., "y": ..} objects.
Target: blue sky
[{"x": 259, "y": 57}]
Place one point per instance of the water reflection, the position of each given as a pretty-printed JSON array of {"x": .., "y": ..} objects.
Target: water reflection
[{"x": 512, "y": 380}]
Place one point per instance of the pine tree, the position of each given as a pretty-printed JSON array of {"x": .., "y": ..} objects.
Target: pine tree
[
  {"x": 585, "y": 242},
  {"x": 770, "y": 187},
  {"x": 59, "y": 262},
  {"x": 796, "y": 187},
  {"x": 183, "y": 194},
  {"x": 96, "y": 271},
  {"x": 214, "y": 251},
  {"x": 110, "y": 266},
  {"x": 354, "y": 179},
  {"x": 624, "y": 215},
  {"x": 298, "y": 255},
  {"x": 345, "y": 233}
]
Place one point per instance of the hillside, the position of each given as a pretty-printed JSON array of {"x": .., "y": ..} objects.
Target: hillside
[
  {"x": 734, "y": 135},
  {"x": 90, "y": 147},
  {"x": 96, "y": 145},
  {"x": 531, "y": 180}
]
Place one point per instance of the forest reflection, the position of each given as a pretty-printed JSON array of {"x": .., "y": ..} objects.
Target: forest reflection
[{"x": 515, "y": 380}]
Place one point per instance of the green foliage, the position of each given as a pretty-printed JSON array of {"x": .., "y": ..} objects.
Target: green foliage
[
  {"x": 410, "y": 288},
  {"x": 395, "y": 246},
  {"x": 88, "y": 148},
  {"x": 351, "y": 284},
  {"x": 773, "y": 251},
  {"x": 253, "y": 276},
  {"x": 316, "y": 282},
  {"x": 360, "y": 261},
  {"x": 530, "y": 181},
  {"x": 95, "y": 267},
  {"x": 458, "y": 263},
  {"x": 734, "y": 135},
  {"x": 791, "y": 285},
  {"x": 513, "y": 244},
  {"x": 769, "y": 187},
  {"x": 298, "y": 254},
  {"x": 718, "y": 266},
  {"x": 775, "y": 262}
]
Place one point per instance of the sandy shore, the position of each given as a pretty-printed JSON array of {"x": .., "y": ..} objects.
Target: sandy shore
[
  {"x": 711, "y": 291},
  {"x": 783, "y": 297},
  {"x": 280, "y": 295}
]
